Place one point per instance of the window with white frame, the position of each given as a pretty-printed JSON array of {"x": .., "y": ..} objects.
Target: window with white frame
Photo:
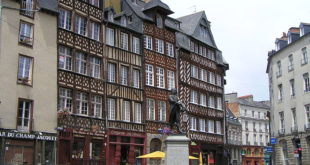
[
  {"x": 149, "y": 75},
  {"x": 304, "y": 58},
  {"x": 138, "y": 113},
  {"x": 64, "y": 19},
  {"x": 211, "y": 102},
  {"x": 124, "y": 41},
  {"x": 219, "y": 103},
  {"x": 159, "y": 21},
  {"x": 80, "y": 25},
  {"x": 194, "y": 71},
  {"x": 82, "y": 103},
  {"x": 279, "y": 71},
  {"x": 170, "y": 79},
  {"x": 210, "y": 126},
  {"x": 148, "y": 42},
  {"x": 111, "y": 16},
  {"x": 111, "y": 72},
  {"x": 162, "y": 111},
  {"x": 306, "y": 82},
  {"x": 110, "y": 36},
  {"x": 65, "y": 99},
  {"x": 111, "y": 108},
  {"x": 307, "y": 108},
  {"x": 204, "y": 51},
  {"x": 97, "y": 105},
  {"x": 126, "y": 111},
  {"x": 124, "y": 75},
  {"x": 150, "y": 106},
  {"x": 136, "y": 45},
  {"x": 203, "y": 100},
  {"x": 200, "y": 50},
  {"x": 95, "y": 67},
  {"x": 294, "y": 117},
  {"x": 159, "y": 46},
  {"x": 160, "y": 77},
  {"x": 95, "y": 3},
  {"x": 136, "y": 78},
  {"x": 94, "y": 30},
  {"x": 26, "y": 33},
  {"x": 219, "y": 80},
  {"x": 280, "y": 92},
  {"x": 203, "y": 75},
  {"x": 123, "y": 21},
  {"x": 218, "y": 127},
  {"x": 202, "y": 125},
  {"x": 24, "y": 115},
  {"x": 211, "y": 78},
  {"x": 292, "y": 84},
  {"x": 170, "y": 49},
  {"x": 24, "y": 69},
  {"x": 290, "y": 62},
  {"x": 194, "y": 97},
  {"x": 81, "y": 63},
  {"x": 193, "y": 123},
  {"x": 65, "y": 58}
]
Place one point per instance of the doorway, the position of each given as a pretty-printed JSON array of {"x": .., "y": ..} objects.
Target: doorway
[{"x": 124, "y": 154}]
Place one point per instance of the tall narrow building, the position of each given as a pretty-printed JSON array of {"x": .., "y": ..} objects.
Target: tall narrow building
[{"x": 28, "y": 90}]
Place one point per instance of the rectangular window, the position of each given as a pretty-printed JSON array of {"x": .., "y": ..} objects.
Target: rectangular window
[
  {"x": 24, "y": 115},
  {"x": 192, "y": 46},
  {"x": 111, "y": 108},
  {"x": 159, "y": 46},
  {"x": 307, "y": 108},
  {"x": 136, "y": 45},
  {"x": 138, "y": 113},
  {"x": 64, "y": 19},
  {"x": 65, "y": 99},
  {"x": 97, "y": 105},
  {"x": 279, "y": 71},
  {"x": 204, "y": 51},
  {"x": 218, "y": 127},
  {"x": 82, "y": 103},
  {"x": 78, "y": 148},
  {"x": 126, "y": 111},
  {"x": 211, "y": 102},
  {"x": 219, "y": 80},
  {"x": 136, "y": 78},
  {"x": 148, "y": 42},
  {"x": 26, "y": 33},
  {"x": 24, "y": 69},
  {"x": 162, "y": 111},
  {"x": 203, "y": 75},
  {"x": 110, "y": 37},
  {"x": 94, "y": 30},
  {"x": 306, "y": 82},
  {"x": 290, "y": 62},
  {"x": 171, "y": 80},
  {"x": 281, "y": 115},
  {"x": 111, "y": 72},
  {"x": 292, "y": 84},
  {"x": 170, "y": 49},
  {"x": 210, "y": 126},
  {"x": 124, "y": 75},
  {"x": 203, "y": 100},
  {"x": 194, "y": 97},
  {"x": 219, "y": 103},
  {"x": 160, "y": 77},
  {"x": 65, "y": 58},
  {"x": 80, "y": 25},
  {"x": 149, "y": 75},
  {"x": 194, "y": 71},
  {"x": 196, "y": 48},
  {"x": 211, "y": 78},
  {"x": 95, "y": 67},
  {"x": 27, "y": 7},
  {"x": 202, "y": 125},
  {"x": 280, "y": 92},
  {"x": 95, "y": 3},
  {"x": 124, "y": 41},
  {"x": 304, "y": 58},
  {"x": 294, "y": 117},
  {"x": 81, "y": 63},
  {"x": 193, "y": 123},
  {"x": 150, "y": 106}
]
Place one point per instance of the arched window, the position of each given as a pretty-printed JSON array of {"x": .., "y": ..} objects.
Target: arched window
[{"x": 159, "y": 21}]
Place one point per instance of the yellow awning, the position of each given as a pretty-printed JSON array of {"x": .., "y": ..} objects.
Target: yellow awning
[
  {"x": 158, "y": 155},
  {"x": 192, "y": 158}
]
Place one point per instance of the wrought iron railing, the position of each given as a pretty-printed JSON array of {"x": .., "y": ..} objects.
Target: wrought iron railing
[{"x": 27, "y": 8}]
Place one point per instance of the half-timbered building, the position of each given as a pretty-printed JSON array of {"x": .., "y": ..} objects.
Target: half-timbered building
[
  {"x": 124, "y": 88},
  {"x": 81, "y": 85},
  {"x": 201, "y": 86}
]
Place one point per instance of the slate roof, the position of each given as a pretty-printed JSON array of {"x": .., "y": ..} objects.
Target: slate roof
[
  {"x": 157, "y": 3},
  {"x": 231, "y": 118},
  {"x": 138, "y": 9},
  {"x": 50, "y": 5},
  {"x": 258, "y": 104}
]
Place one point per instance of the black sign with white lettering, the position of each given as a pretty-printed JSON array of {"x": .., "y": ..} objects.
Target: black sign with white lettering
[{"x": 19, "y": 135}]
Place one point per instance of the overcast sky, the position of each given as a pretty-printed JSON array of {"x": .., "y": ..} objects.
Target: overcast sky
[{"x": 245, "y": 30}]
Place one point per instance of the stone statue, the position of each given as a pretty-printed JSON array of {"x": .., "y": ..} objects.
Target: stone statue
[{"x": 176, "y": 107}]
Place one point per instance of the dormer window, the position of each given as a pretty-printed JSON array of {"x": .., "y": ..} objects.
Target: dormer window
[
  {"x": 159, "y": 21},
  {"x": 203, "y": 31},
  {"x": 123, "y": 21},
  {"x": 110, "y": 16}
]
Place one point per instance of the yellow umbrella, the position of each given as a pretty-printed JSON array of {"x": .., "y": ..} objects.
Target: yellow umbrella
[
  {"x": 200, "y": 159},
  {"x": 158, "y": 155}
]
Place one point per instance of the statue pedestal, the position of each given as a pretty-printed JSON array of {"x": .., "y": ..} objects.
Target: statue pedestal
[{"x": 177, "y": 150}]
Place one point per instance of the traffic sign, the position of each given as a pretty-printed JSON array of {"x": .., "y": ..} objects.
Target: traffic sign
[{"x": 273, "y": 140}]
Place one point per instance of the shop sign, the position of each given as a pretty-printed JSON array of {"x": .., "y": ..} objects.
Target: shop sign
[
  {"x": 296, "y": 155},
  {"x": 165, "y": 130},
  {"x": 19, "y": 135},
  {"x": 268, "y": 149},
  {"x": 273, "y": 140}
]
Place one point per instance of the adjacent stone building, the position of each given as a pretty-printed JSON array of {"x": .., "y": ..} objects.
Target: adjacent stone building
[
  {"x": 253, "y": 116},
  {"x": 288, "y": 72},
  {"x": 28, "y": 74}
]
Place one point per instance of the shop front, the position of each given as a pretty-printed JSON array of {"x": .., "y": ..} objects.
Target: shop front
[
  {"x": 124, "y": 147},
  {"x": 27, "y": 148}
]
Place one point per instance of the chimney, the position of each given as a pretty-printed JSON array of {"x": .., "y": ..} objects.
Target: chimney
[
  {"x": 231, "y": 97},
  {"x": 247, "y": 97}
]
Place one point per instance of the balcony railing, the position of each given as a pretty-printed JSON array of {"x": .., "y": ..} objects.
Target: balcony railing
[
  {"x": 281, "y": 132},
  {"x": 26, "y": 8},
  {"x": 294, "y": 129},
  {"x": 25, "y": 39}
]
